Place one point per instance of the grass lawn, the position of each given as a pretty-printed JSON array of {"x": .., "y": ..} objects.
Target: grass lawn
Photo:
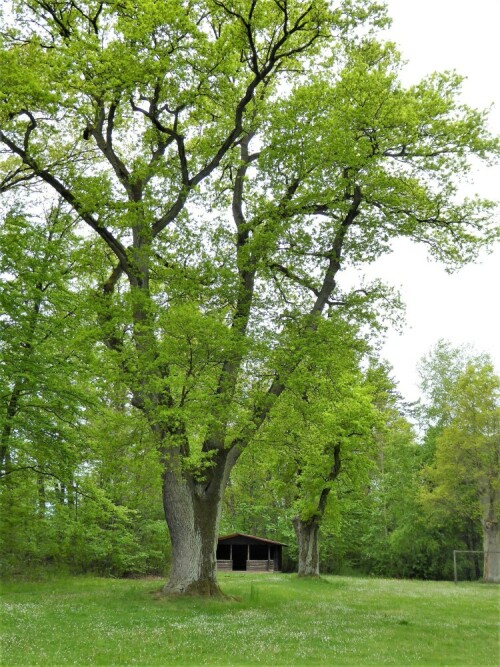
[{"x": 280, "y": 620}]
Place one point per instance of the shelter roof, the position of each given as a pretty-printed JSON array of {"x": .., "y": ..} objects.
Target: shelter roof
[{"x": 264, "y": 540}]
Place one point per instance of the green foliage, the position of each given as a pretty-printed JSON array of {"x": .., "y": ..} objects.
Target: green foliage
[
  {"x": 464, "y": 473},
  {"x": 116, "y": 542},
  {"x": 394, "y": 533},
  {"x": 216, "y": 165},
  {"x": 77, "y": 532},
  {"x": 65, "y": 497}
]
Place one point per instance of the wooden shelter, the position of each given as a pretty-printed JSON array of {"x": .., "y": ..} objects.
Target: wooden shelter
[{"x": 248, "y": 553}]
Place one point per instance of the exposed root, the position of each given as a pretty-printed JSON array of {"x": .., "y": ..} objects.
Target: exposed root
[{"x": 203, "y": 588}]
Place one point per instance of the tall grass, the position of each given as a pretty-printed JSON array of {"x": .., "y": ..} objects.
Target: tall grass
[{"x": 277, "y": 620}]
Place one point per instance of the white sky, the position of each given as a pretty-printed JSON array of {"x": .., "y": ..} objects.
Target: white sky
[{"x": 463, "y": 307}]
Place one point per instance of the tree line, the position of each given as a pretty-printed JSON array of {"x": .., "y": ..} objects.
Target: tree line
[
  {"x": 351, "y": 477},
  {"x": 182, "y": 184}
]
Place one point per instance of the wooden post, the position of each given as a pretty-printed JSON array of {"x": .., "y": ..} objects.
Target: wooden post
[
  {"x": 231, "y": 555},
  {"x": 248, "y": 554},
  {"x": 455, "y": 566},
  {"x": 268, "y": 556}
]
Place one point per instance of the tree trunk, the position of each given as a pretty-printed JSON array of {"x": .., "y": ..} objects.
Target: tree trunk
[
  {"x": 192, "y": 510},
  {"x": 307, "y": 531},
  {"x": 491, "y": 540},
  {"x": 307, "y": 538}
]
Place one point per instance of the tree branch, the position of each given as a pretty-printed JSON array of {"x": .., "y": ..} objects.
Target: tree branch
[
  {"x": 328, "y": 285},
  {"x": 113, "y": 243},
  {"x": 246, "y": 273},
  {"x": 332, "y": 476},
  {"x": 294, "y": 277},
  {"x": 278, "y": 385},
  {"x": 105, "y": 145}
]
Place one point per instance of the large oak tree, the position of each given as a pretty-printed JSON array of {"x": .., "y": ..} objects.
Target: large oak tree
[{"x": 231, "y": 156}]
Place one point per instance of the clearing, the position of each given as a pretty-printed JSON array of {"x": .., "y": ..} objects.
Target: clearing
[{"x": 279, "y": 620}]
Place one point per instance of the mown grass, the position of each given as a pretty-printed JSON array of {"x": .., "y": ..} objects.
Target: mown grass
[{"x": 279, "y": 620}]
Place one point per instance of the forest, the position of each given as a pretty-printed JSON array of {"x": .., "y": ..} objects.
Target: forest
[{"x": 182, "y": 184}]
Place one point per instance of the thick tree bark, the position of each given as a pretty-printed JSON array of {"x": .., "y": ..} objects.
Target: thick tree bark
[
  {"x": 491, "y": 540},
  {"x": 307, "y": 538},
  {"x": 192, "y": 510},
  {"x": 307, "y": 531}
]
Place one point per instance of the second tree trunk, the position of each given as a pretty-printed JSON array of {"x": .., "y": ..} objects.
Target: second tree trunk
[{"x": 307, "y": 538}]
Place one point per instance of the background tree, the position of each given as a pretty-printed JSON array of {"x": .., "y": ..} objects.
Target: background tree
[
  {"x": 63, "y": 501},
  {"x": 392, "y": 535},
  {"x": 320, "y": 430},
  {"x": 150, "y": 120},
  {"x": 463, "y": 477},
  {"x": 41, "y": 375}
]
